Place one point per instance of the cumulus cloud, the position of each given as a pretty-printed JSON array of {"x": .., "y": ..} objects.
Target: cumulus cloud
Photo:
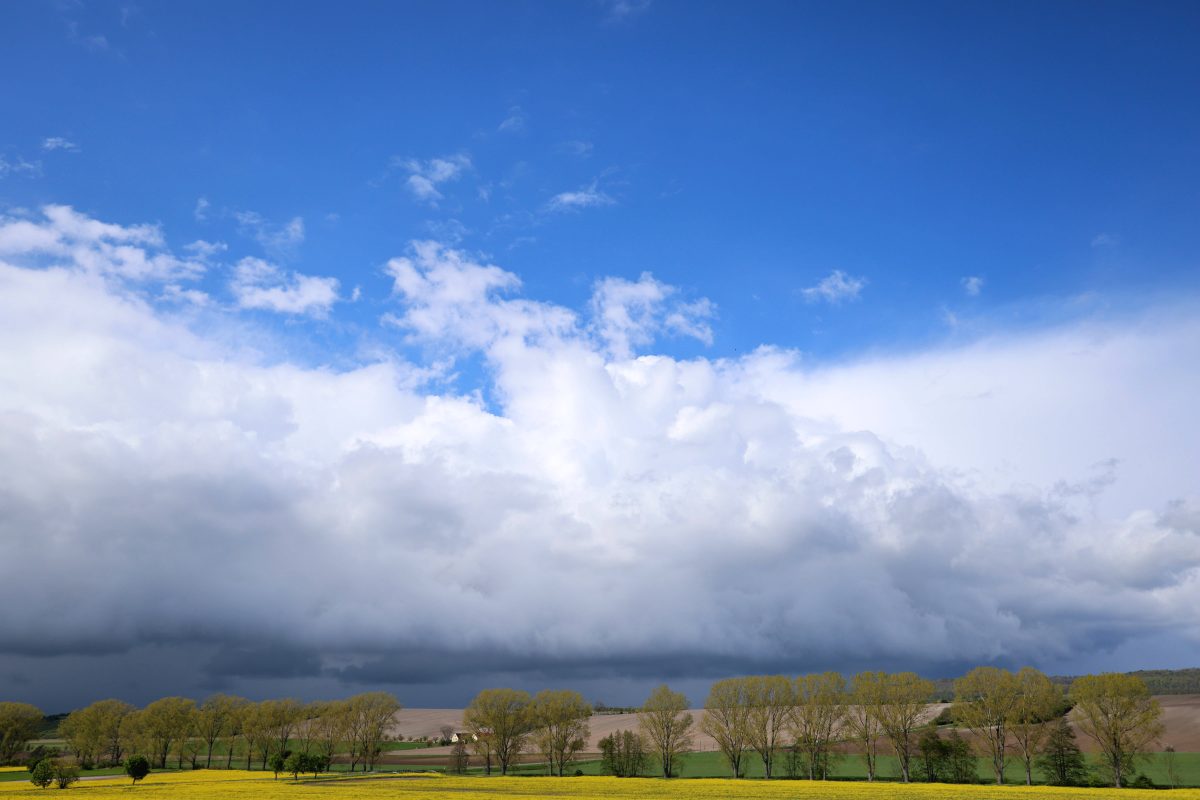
[
  {"x": 600, "y": 513},
  {"x": 135, "y": 252},
  {"x": 835, "y": 288},
  {"x": 627, "y": 314},
  {"x": 426, "y": 176},
  {"x": 584, "y": 197},
  {"x": 259, "y": 284}
]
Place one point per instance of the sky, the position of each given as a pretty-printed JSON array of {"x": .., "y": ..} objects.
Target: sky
[{"x": 438, "y": 346}]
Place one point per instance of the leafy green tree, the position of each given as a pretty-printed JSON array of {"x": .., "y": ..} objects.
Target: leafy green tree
[
  {"x": 1061, "y": 761},
  {"x": 904, "y": 697},
  {"x": 166, "y": 722},
  {"x": 984, "y": 700},
  {"x": 297, "y": 763},
  {"x": 1039, "y": 702},
  {"x": 864, "y": 715},
  {"x": 817, "y": 718},
  {"x": 666, "y": 723},
  {"x": 42, "y": 773},
  {"x": 505, "y": 716},
  {"x": 1118, "y": 713},
  {"x": 561, "y": 726},
  {"x": 137, "y": 767},
  {"x": 65, "y": 774},
  {"x": 277, "y": 763},
  {"x": 19, "y": 724},
  {"x": 726, "y": 720},
  {"x": 623, "y": 754}
]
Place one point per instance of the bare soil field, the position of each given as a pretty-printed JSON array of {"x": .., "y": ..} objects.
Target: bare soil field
[{"x": 1181, "y": 717}]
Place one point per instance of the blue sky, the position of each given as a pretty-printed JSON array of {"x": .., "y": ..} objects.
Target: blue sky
[
  {"x": 670, "y": 340},
  {"x": 740, "y": 155}
]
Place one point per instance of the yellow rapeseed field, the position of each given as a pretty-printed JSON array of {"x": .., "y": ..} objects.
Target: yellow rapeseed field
[{"x": 209, "y": 785}]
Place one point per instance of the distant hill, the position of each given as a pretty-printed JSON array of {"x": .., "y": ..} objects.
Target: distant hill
[{"x": 1160, "y": 681}]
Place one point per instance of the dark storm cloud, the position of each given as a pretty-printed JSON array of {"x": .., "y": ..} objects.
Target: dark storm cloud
[{"x": 179, "y": 513}]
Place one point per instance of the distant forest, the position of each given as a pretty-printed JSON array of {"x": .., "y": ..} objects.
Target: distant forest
[{"x": 1159, "y": 681}]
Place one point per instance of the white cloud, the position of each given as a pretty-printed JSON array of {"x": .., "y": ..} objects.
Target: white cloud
[
  {"x": 200, "y": 212},
  {"x": 262, "y": 285},
  {"x": 972, "y": 285},
  {"x": 426, "y": 176},
  {"x": 205, "y": 251},
  {"x": 584, "y": 197},
  {"x": 134, "y": 253},
  {"x": 628, "y": 314},
  {"x": 52, "y": 143},
  {"x": 835, "y": 288},
  {"x": 753, "y": 512},
  {"x": 514, "y": 122},
  {"x": 1105, "y": 240},
  {"x": 280, "y": 240}
]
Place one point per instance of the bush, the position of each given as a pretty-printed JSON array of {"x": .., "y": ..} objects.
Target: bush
[
  {"x": 41, "y": 774},
  {"x": 1142, "y": 782},
  {"x": 65, "y": 774},
  {"x": 137, "y": 767}
]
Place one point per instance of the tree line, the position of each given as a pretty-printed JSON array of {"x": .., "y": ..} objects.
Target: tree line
[
  {"x": 177, "y": 730},
  {"x": 803, "y": 721},
  {"x": 1010, "y": 715}
]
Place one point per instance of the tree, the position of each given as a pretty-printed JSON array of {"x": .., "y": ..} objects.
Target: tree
[
  {"x": 459, "y": 760},
  {"x": 65, "y": 774},
  {"x": 1119, "y": 714},
  {"x": 297, "y": 763},
  {"x": 133, "y": 736},
  {"x": 19, "y": 724},
  {"x": 42, "y": 774},
  {"x": 770, "y": 699},
  {"x": 369, "y": 717},
  {"x": 93, "y": 733},
  {"x": 277, "y": 763},
  {"x": 329, "y": 728},
  {"x": 820, "y": 707},
  {"x": 984, "y": 700},
  {"x": 1171, "y": 765},
  {"x": 505, "y": 717},
  {"x": 215, "y": 720},
  {"x": 561, "y": 726},
  {"x": 137, "y": 767},
  {"x": 665, "y": 721},
  {"x": 1061, "y": 761},
  {"x": 257, "y": 731},
  {"x": 280, "y": 717},
  {"x": 863, "y": 715},
  {"x": 165, "y": 722},
  {"x": 1039, "y": 700},
  {"x": 623, "y": 754},
  {"x": 726, "y": 720},
  {"x": 903, "y": 699}
]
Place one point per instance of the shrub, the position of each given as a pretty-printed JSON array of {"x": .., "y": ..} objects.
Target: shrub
[
  {"x": 137, "y": 767},
  {"x": 41, "y": 774},
  {"x": 65, "y": 774}
]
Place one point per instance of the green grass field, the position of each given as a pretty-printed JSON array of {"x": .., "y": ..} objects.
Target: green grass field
[{"x": 713, "y": 765}]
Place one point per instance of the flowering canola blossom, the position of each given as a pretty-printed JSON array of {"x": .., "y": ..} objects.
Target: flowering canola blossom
[{"x": 206, "y": 785}]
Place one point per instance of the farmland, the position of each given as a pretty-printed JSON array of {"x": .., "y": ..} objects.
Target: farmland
[{"x": 240, "y": 785}]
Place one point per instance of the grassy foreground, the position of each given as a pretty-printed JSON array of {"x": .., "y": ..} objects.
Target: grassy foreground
[{"x": 257, "y": 786}]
